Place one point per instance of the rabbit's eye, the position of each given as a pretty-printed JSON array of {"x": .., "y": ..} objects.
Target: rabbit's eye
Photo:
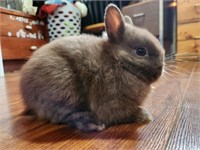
[{"x": 141, "y": 51}]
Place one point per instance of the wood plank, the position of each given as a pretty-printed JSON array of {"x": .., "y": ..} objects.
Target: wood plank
[
  {"x": 96, "y": 28},
  {"x": 186, "y": 133},
  {"x": 20, "y": 132},
  {"x": 189, "y": 46},
  {"x": 189, "y": 31},
  {"x": 165, "y": 101},
  {"x": 188, "y": 10}
]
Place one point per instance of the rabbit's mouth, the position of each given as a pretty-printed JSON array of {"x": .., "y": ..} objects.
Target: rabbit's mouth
[{"x": 147, "y": 75}]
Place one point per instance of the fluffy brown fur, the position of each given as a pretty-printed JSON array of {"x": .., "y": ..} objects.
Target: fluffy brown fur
[{"x": 89, "y": 82}]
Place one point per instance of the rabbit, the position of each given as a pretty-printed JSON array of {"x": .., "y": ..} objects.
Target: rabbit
[{"x": 91, "y": 83}]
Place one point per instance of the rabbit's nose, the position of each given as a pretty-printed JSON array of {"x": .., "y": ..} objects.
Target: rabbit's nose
[{"x": 160, "y": 67}]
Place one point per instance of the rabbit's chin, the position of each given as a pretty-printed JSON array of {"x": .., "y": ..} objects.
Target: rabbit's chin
[
  {"x": 155, "y": 77},
  {"x": 144, "y": 74}
]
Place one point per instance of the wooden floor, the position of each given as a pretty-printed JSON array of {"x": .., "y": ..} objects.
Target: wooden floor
[{"x": 174, "y": 104}]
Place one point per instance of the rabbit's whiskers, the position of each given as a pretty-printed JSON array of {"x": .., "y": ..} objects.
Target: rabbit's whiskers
[
  {"x": 171, "y": 63},
  {"x": 182, "y": 57}
]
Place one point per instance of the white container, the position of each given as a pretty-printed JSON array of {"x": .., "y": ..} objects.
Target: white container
[{"x": 64, "y": 21}]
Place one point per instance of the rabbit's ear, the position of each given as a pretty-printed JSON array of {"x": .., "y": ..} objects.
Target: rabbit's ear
[
  {"x": 128, "y": 20},
  {"x": 114, "y": 22}
]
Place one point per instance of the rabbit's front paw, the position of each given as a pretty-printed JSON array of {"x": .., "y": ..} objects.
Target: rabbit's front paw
[
  {"x": 90, "y": 127},
  {"x": 143, "y": 116}
]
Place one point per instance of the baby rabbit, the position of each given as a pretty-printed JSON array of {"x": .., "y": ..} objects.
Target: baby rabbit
[{"x": 90, "y": 82}]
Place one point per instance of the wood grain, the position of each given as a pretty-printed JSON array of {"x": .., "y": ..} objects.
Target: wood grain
[
  {"x": 174, "y": 104},
  {"x": 18, "y": 48},
  {"x": 95, "y": 28},
  {"x": 189, "y": 31},
  {"x": 186, "y": 132},
  {"x": 14, "y": 26},
  {"x": 13, "y": 65},
  {"x": 188, "y": 10},
  {"x": 189, "y": 46}
]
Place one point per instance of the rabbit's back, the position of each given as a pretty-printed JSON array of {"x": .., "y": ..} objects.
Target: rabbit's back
[{"x": 54, "y": 74}]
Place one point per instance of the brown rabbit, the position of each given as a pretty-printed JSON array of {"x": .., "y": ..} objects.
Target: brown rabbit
[{"x": 89, "y": 82}]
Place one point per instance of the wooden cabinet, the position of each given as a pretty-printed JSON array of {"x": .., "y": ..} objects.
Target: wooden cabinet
[
  {"x": 19, "y": 48},
  {"x": 188, "y": 31},
  {"x": 21, "y": 34}
]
